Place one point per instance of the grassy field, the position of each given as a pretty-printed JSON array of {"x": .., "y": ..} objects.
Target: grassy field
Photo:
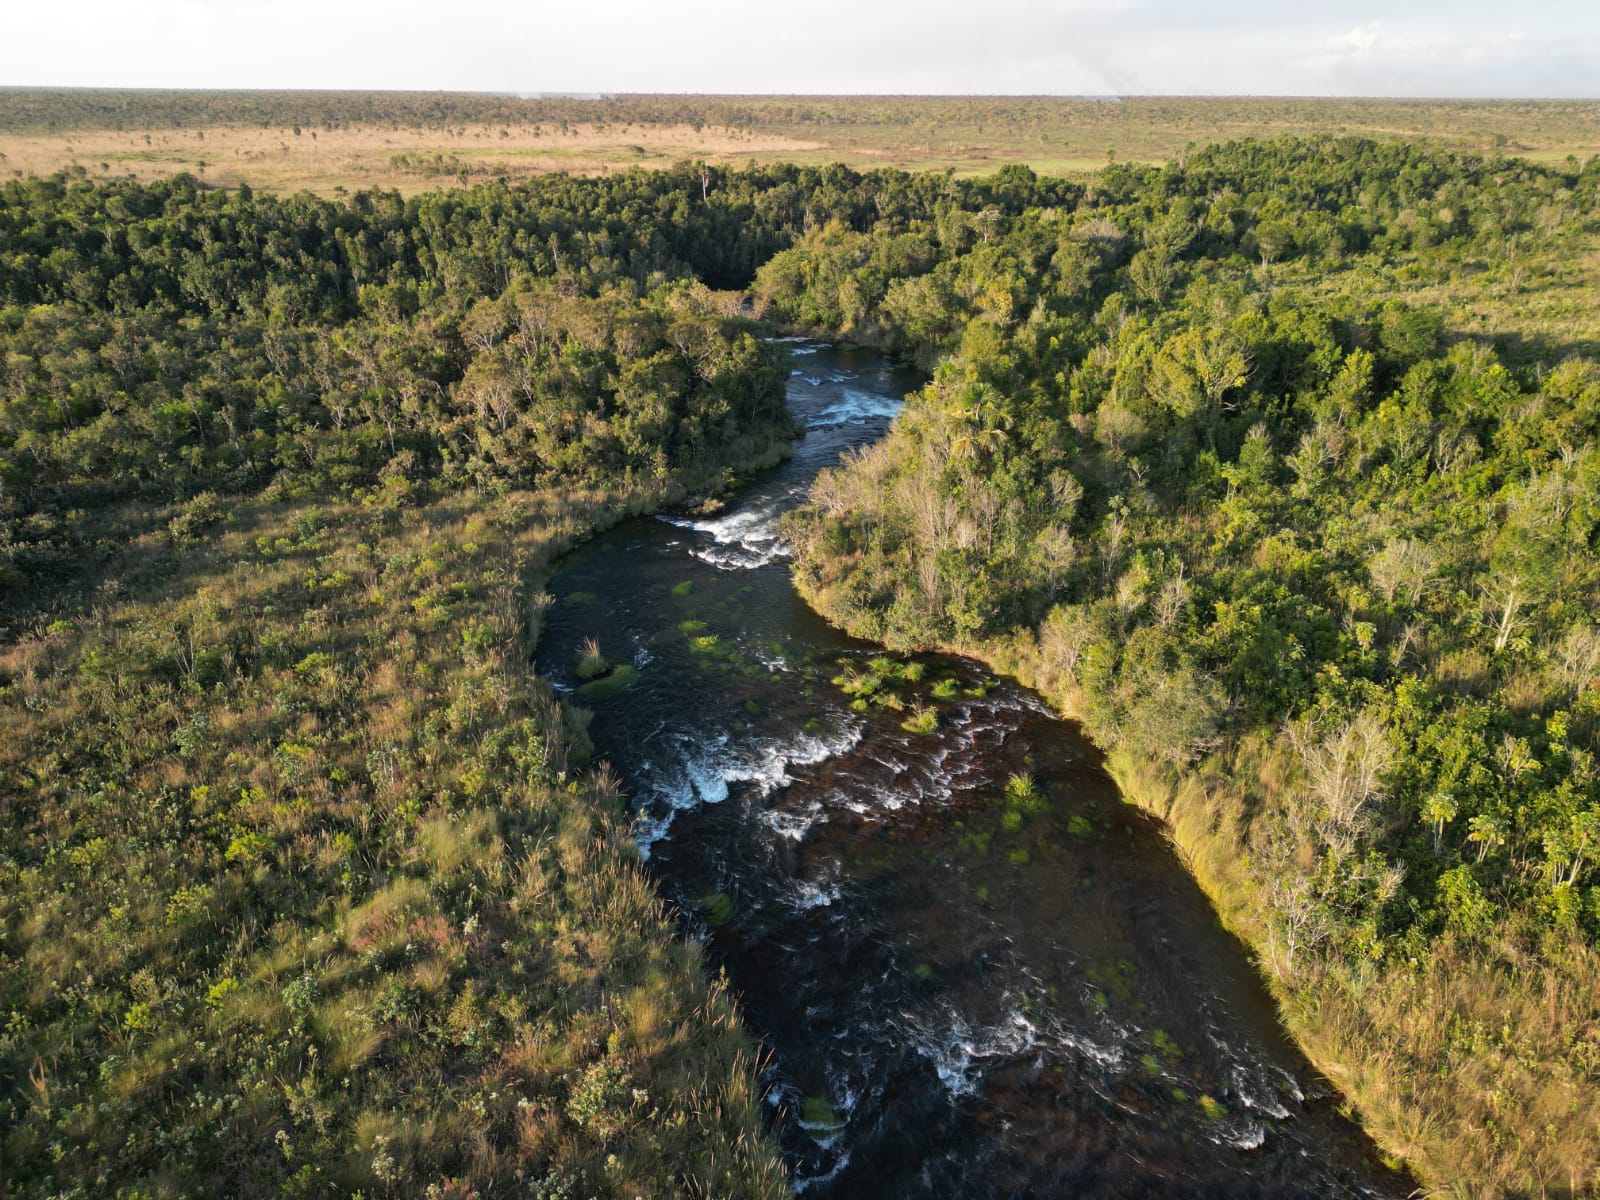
[
  {"x": 538, "y": 861},
  {"x": 363, "y": 156},
  {"x": 320, "y": 141}
]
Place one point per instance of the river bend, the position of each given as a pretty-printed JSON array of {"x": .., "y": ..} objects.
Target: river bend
[{"x": 977, "y": 971}]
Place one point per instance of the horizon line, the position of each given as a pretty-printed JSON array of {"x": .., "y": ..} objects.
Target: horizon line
[{"x": 603, "y": 95}]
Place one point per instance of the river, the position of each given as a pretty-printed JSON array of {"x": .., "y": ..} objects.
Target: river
[{"x": 977, "y": 972}]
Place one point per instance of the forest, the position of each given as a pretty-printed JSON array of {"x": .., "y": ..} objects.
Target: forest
[
  {"x": 1276, "y": 467},
  {"x": 1317, "y": 570},
  {"x": 307, "y": 882}
]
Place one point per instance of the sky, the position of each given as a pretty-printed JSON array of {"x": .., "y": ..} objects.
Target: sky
[{"x": 1536, "y": 48}]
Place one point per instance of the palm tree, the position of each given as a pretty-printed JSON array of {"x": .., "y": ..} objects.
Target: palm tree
[{"x": 984, "y": 421}]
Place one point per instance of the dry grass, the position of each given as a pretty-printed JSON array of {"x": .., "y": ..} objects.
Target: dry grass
[
  {"x": 452, "y": 903},
  {"x": 408, "y": 160},
  {"x": 971, "y": 135},
  {"x": 1469, "y": 1070}
]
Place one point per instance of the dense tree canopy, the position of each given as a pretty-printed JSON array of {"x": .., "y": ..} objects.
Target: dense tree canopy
[
  {"x": 1188, "y": 466},
  {"x": 1202, "y": 455}
]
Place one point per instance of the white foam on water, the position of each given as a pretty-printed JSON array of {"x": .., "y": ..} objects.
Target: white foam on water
[
  {"x": 704, "y": 774},
  {"x": 828, "y": 1176},
  {"x": 959, "y": 1051},
  {"x": 1260, "y": 1085},
  {"x": 1109, "y": 1058},
  {"x": 794, "y": 823},
  {"x": 867, "y": 799},
  {"x": 856, "y": 408},
  {"x": 826, "y": 1138},
  {"x": 918, "y": 777},
  {"x": 773, "y": 760},
  {"x": 648, "y": 830},
  {"x": 696, "y": 780},
  {"x": 808, "y": 896},
  {"x": 1266, "y": 1103},
  {"x": 741, "y": 539},
  {"x": 1250, "y": 1137}
]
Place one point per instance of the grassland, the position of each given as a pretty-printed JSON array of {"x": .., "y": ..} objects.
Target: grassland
[
  {"x": 365, "y": 156},
  {"x": 319, "y": 141},
  {"x": 455, "y": 1017}
]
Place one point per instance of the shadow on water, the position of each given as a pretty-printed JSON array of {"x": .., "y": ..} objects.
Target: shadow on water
[{"x": 979, "y": 973}]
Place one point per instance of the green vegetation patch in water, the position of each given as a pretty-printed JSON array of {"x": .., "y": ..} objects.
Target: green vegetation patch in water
[
  {"x": 592, "y": 664},
  {"x": 817, "y": 1115},
  {"x": 619, "y": 679}
]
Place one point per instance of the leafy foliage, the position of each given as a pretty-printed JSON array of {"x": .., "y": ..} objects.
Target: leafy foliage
[
  {"x": 305, "y": 883},
  {"x": 1253, "y": 523},
  {"x": 305, "y": 872}
]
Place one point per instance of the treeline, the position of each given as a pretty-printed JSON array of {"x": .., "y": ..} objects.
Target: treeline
[
  {"x": 1500, "y": 123},
  {"x": 1320, "y": 574},
  {"x": 61, "y": 110},
  {"x": 305, "y": 884},
  {"x": 165, "y": 340}
]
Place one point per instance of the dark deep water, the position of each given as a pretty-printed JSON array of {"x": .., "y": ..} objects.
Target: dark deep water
[{"x": 968, "y": 989}]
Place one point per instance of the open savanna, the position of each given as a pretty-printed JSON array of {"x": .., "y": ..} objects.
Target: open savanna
[
  {"x": 455, "y": 1018},
  {"x": 300, "y": 158},
  {"x": 413, "y": 141}
]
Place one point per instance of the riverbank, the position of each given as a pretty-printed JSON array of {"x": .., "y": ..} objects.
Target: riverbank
[
  {"x": 975, "y": 970},
  {"x": 1460, "y": 1066},
  {"x": 366, "y": 896}
]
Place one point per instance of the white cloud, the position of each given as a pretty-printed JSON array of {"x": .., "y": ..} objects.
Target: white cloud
[
  {"x": 1424, "y": 47},
  {"x": 1363, "y": 39}
]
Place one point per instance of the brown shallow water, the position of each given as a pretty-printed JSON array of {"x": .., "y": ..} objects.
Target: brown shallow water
[{"x": 978, "y": 972}]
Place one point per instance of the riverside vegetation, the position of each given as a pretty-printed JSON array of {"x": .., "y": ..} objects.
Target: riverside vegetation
[
  {"x": 1317, "y": 566},
  {"x": 305, "y": 882}
]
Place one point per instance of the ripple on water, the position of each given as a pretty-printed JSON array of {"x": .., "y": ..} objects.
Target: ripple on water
[
  {"x": 959, "y": 1050},
  {"x": 856, "y": 407},
  {"x": 702, "y": 772},
  {"x": 741, "y": 540},
  {"x": 794, "y": 823}
]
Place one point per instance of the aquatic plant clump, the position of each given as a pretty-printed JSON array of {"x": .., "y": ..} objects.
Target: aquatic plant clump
[{"x": 591, "y": 662}]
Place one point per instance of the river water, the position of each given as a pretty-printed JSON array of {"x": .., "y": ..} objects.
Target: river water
[{"x": 976, "y": 971}]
